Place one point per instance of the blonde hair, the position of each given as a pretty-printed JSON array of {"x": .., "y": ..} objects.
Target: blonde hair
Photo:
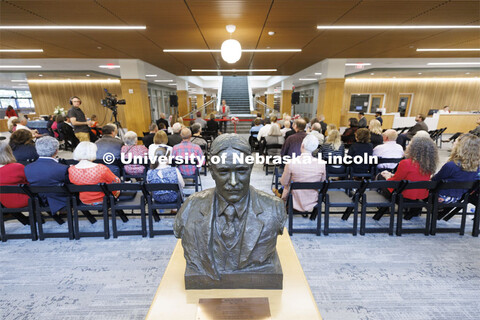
[
  {"x": 466, "y": 152},
  {"x": 331, "y": 127},
  {"x": 375, "y": 126},
  {"x": 160, "y": 137},
  {"x": 334, "y": 139}
]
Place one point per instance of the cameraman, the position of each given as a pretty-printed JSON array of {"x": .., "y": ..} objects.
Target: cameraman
[{"x": 77, "y": 117}]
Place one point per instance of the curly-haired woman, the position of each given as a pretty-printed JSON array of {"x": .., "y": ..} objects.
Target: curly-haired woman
[{"x": 23, "y": 147}]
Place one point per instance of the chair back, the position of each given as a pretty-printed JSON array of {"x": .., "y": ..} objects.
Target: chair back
[
  {"x": 151, "y": 187},
  {"x": 467, "y": 185},
  {"x": 73, "y": 188},
  {"x": 344, "y": 184}
]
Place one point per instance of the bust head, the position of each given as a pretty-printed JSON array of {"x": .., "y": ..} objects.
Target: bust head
[{"x": 232, "y": 180}]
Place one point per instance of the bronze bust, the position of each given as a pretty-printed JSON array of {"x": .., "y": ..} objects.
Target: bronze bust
[{"x": 229, "y": 233}]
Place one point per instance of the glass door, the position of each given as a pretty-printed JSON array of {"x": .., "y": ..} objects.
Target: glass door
[
  {"x": 376, "y": 103},
  {"x": 404, "y": 105}
]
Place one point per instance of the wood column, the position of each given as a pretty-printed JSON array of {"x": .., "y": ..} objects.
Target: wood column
[
  {"x": 137, "y": 108},
  {"x": 286, "y": 105},
  {"x": 271, "y": 101},
  {"x": 330, "y": 99},
  {"x": 182, "y": 102}
]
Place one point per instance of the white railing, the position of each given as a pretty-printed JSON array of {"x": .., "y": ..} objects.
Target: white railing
[
  {"x": 219, "y": 94},
  {"x": 251, "y": 98},
  {"x": 190, "y": 115}
]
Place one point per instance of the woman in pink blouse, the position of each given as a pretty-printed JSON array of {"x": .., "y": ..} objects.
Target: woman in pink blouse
[{"x": 131, "y": 150}]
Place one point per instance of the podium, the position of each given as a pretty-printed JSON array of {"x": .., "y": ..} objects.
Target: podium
[{"x": 295, "y": 301}]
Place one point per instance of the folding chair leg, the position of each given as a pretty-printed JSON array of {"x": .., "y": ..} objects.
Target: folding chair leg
[
  {"x": 114, "y": 223},
  {"x": 75, "y": 221},
  {"x": 428, "y": 222},
  {"x": 33, "y": 228},
  {"x": 464, "y": 218},
  {"x": 122, "y": 215},
  {"x": 106, "y": 228},
  {"x": 319, "y": 217},
  {"x": 2, "y": 228},
  {"x": 89, "y": 216},
  {"x": 476, "y": 222},
  {"x": 70, "y": 222},
  {"x": 399, "y": 219},
  {"x": 144, "y": 221},
  {"x": 57, "y": 218},
  {"x": 150, "y": 219},
  {"x": 38, "y": 214},
  {"x": 363, "y": 218},
  {"x": 392, "y": 219},
  {"x": 326, "y": 222},
  {"x": 156, "y": 216},
  {"x": 435, "y": 217},
  {"x": 20, "y": 217}
]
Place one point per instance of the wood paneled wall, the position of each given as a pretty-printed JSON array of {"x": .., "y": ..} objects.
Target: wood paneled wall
[
  {"x": 460, "y": 95},
  {"x": 47, "y": 96}
]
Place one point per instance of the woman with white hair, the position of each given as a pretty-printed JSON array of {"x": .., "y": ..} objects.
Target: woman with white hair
[
  {"x": 131, "y": 150},
  {"x": 306, "y": 169},
  {"x": 86, "y": 172}
]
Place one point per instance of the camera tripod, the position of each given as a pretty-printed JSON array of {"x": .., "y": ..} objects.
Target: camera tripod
[{"x": 116, "y": 122}]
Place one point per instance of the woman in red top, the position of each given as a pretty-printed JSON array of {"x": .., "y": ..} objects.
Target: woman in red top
[
  {"x": 420, "y": 163},
  {"x": 88, "y": 173},
  {"x": 10, "y": 112},
  {"x": 11, "y": 174}
]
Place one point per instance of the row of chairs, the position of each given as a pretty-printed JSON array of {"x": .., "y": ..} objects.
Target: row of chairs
[
  {"x": 367, "y": 194},
  {"x": 134, "y": 196}
]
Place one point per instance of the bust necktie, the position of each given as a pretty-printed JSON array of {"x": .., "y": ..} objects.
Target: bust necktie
[{"x": 228, "y": 233}]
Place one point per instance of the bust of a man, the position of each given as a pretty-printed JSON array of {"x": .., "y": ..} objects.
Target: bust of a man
[{"x": 229, "y": 233}]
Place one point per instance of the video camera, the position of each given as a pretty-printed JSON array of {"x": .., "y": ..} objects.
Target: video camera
[{"x": 111, "y": 100}]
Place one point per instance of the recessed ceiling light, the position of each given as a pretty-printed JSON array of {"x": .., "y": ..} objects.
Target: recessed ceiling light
[
  {"x": 400, "y": 27},
  {"x": 163, "y": 80},
  {"x": 372, "y": 74},
  {"x": 419, "y": 73},
  {"x": 150, "y": 75},
  {"x": 19, "y": 67},
  {"x": 73, "y": 27},
  {"x": 467, "y": 72},
  {"x": 357, "y": 64},
  {"x": 271, "y": 33},
  {"x": 218, "y": 50},
  {"x": 307, "y": 79},
  {"x": 21, "y": 50},
  {"x": 451, "y": 63},
  {"x": 172, "y": 84},
  {"x": 40, "y": 75},
  {"x": 23, "y": 80},
  {"x": 109, "y": 66},
  {"x": 234, "y": 70},
  {"x": 318, "y": 73},
  {"x": 463, "y": 49},
  {"x": 88, "y": 75}
]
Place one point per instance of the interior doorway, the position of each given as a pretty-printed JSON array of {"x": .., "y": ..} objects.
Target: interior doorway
[
  {"x": 404, "y": 104},
  {"x": 376, "y": 102}
]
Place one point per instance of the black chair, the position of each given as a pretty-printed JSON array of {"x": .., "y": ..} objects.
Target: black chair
[
  {"x": 68, "y": 162},
  {"x": 277, "y": 174},
  {"x": 386, "y": 160},
  {"x": 320, "y": 187},
  {"x": 415, "y": 204},
  {"x": 340, "y": 194},
  {"x": 462, "y": 204},
  {"x": 253, "y": 141},
  {"x": 130, "y": 199},
  {"x": 370, "y": 174},
  {"x": 273, "y": 146},
  {"x": 372, "y": 196},
  {"x": 341, "y": 172},
  {"x": 196, "y": 181},
  {"x": 40, "y": 206},
  {"x": 204, "y": 148},
  {"x": 17, "y": 213},
  {"x": 139, "y": 177},
  {"x": 85, "y": 209},
  {"x": 153, "y": 205}
]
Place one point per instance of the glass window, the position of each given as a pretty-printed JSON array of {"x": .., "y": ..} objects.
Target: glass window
[
  {"x": 8, "y": 93},
  {"x": 24, "y": 103},
  {"x": 23, "y": 94},
  {"x": 5, "y": 102},
  {"x": 359, "y": 102}
]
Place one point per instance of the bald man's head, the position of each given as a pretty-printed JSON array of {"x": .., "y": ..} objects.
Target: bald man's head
[
  {"x": 186, "y": 134},
  {"x": 390, "y": 135}
]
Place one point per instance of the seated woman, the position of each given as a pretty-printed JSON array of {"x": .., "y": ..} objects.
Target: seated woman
[
  {"x": 361, "y": 147},
  {"x": 131, "y": 150},
  {"x": 420, "y": 163},
  {"x": 23, "y": 147},
  {"x": 12, "y": 174},
  {"x": 256, "y": 127},
  {"x": 332, "y": 147},
  {"x": 348, "y": 137},
  {"x": 304, "y": 200},
  {"x": 375, "y": 128},
  {"x": 160, "y": 139},
  {"x": 274, "y": 136},
  {"x": 161, "y": 172},
  {"x": 463, "y": 165},
  {"x": 86, "y": 172},
  {"x": 212, "y": 126},
  {"x": 65, "y": 132}
]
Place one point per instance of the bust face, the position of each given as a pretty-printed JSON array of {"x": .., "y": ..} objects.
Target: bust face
[{"x": 232, "y": 180}]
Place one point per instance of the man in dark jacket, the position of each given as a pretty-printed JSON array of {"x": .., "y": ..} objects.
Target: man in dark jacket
[{"x": 419, "y": 126}]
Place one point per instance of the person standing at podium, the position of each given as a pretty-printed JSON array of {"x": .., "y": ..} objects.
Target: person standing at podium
[{"x": 225, "y": 113}]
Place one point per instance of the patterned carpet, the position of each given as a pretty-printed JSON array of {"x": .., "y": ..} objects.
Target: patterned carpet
[{"x": 363, "y": 277}]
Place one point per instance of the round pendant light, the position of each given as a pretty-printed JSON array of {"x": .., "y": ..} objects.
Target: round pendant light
[{"x": 231, "y": 50}]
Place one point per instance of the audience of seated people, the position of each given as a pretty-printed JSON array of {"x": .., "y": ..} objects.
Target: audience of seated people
[
  {"x": 316, "y": 131},
  {"x": 187, "y": 149},
  {"x": 86, "y": 172},
  {"x": 419, "y": 126},
  {"x": 304, "y": 200},
  {"x": 362, "y": 121},
  {"x": 333, "y": 147},
  {"x": 47, "y": 171},
  {"x": 263, "y": 132},
  {"x": 375, "y": 132},
  {"x": 463, "y": 165},
  {"x": 131, "y": 150},
  {"x": 161, "y": 172},
  {"x": 109, "y": 143},
  {"x": 148, "y": 138},
  {"x": 390, "y": 149},
  {"x": 287, "y": 127},
  {"x": 274, "y": 137},
  {"x": 159, "y": 140},
  {"x": 257, "y": 125},
  {"x": 200, "y": 121},
  {"x": 348, "y": 136},
  {"x": 162, "y": 120},
  {"x": 175, "y": 137},
  {"x": 259, "y": 117},
  {"x": 361, "y": 147},
  {"x": 197, "y": 136},
  {"x": 23, "y": 147},
  {"x": 12, "y": 174},
  {"x": 212, "y": 126},
  {"x": 65, "y": 131},
  {"x": 293, "y": 143}
]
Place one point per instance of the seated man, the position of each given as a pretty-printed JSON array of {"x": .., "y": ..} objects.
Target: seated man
[
  {"x": 109, "y": 143},
  {"x": 162, "y": 120},
  {"x": 317, "y": 132},
  {"x": 389, "y": 149},
  {"x": 197, "y": 136},
  {"x": 292, "y": 145},
  {"x": 148, "y": 139},
  {"x": 200, "y": 121},
  {"x": 304, "y": 200},
  {"x": 420, "y": 125},
  {"x": 175, "y": 138},
  {"x": 46, "y": 171},
  {"x": 186, "y": 149}
]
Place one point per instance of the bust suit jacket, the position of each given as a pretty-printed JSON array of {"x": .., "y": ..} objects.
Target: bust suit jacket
[
  {"x": 225, "y": 114},
  {"x": 266, "y": 217}
]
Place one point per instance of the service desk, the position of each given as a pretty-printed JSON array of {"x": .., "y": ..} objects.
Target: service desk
[
  {"x": 295, "y": 301},
  {"x": 458, "y": 122}
]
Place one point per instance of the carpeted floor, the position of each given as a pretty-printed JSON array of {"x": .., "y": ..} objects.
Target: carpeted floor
[{"x": 364, "y": 277}]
